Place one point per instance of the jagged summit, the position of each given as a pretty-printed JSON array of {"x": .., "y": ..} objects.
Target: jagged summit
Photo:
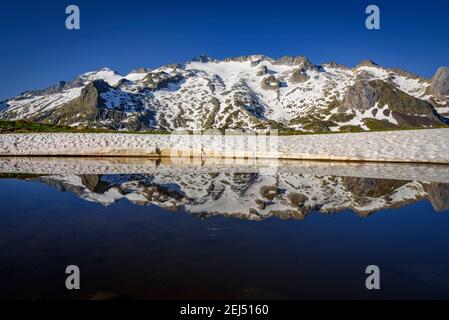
[
  {"x": 141, "y": 70},
  {"x": 367, "y": 63},
  {"x": 106, "y": 69},
  {"x": 335, "y": 65},
  {"x": 246, "y": 92},
  {"x": 203, "y": 58}
]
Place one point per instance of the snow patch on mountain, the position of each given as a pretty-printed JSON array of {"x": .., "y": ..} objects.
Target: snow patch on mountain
[{"x": 110, "y": 76}]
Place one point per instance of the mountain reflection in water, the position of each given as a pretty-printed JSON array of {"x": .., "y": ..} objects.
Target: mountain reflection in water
[{"x": 253, "y": 191}]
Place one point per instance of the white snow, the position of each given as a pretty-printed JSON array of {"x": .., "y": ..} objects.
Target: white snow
[
  {"x": 376, "y": 72},
  {"x": 443, "y": 110},
  {"x": 136, "y": 76},
  {"x": 167, "y": 168},
  {"x": 33, "y": 104},
  {"x": 106, "y": 74},
  {"x": 414, "y": 87},
  {"x": 409, "y": 191},
  {"x": 426, "y": 146},
  {"x": 290, "y": 100},
  {"x": 375, "y": 112}
]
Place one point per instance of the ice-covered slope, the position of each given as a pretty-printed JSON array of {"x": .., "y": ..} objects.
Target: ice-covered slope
[{"x": 244, "y": 92}]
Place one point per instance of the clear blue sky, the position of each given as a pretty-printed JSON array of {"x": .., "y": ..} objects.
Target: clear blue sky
[{"x": 37, "y": 50}]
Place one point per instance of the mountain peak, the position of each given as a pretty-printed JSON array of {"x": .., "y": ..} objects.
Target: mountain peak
[
  {"x": 334, "y": 64},
  {"x": 203, "y": 58},
  {"x": 440, "y": 83},
  {"x": 294, "y": 61},
  {"x": 367, "y": 63},
  {"x": 106, "y": 74},
  {"x": 106, "y": 69},
  {"x": 141, "y": 70}
]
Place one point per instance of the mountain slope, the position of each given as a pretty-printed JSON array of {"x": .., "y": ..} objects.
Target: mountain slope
[{"x": 246, "y": 92}]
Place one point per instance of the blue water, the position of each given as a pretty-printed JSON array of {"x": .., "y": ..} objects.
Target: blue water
[{"x": 145, "y": 252}]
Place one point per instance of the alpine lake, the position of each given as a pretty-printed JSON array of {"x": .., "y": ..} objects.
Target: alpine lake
[{"x": 153, "y": 229}]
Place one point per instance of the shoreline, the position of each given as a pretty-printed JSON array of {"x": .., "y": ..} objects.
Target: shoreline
[
  {"x": 310, "y": 158},
  {"x": 121, "y": 165},
  {"x": 406, "y": 146}
]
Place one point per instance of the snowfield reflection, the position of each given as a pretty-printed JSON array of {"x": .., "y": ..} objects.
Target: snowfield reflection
[{"x": 243, "y": 191}]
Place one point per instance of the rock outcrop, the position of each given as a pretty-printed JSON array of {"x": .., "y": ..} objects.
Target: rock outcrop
[
  {"x": 299, "y": 76},
  {"x": 440, "y": 83},
  {"x": 262, "y": 71},
  {"x": 270, "y": 83},
  {"x": 406, "y": 109}
]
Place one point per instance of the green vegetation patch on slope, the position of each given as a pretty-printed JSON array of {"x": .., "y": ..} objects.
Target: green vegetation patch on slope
[{"x": 24, "y": 126}]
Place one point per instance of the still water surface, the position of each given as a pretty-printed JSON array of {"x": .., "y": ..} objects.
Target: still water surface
[{"x": 191, "y": 231}]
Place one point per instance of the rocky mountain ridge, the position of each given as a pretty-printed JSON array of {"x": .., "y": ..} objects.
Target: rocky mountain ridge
[{"x": 248, "y": 92}]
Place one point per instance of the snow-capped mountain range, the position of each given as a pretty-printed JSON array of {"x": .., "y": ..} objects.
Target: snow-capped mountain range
[{"x": 247, "y": 92}]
